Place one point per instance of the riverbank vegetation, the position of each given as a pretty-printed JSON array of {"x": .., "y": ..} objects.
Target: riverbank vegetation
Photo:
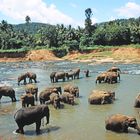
[{"x": 64, "y": 39}]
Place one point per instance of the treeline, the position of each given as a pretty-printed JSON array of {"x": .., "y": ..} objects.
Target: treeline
[{"x": 37, "y": 35}]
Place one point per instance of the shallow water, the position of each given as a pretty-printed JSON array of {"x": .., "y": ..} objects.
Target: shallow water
[{"x": 81, "y": 121}]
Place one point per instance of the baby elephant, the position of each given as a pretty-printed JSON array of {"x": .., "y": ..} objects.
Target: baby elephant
[
  {"x": 33, "y": 89},
  {"x": 55, "y": 100},
  {"x": 22, "y": 77},
  {"x": 27, "y": 99},
  {"x": 30, "y": 115},
  {"x": 68, "y": 98},
  {"x": 74, "y": 90},
  {"x": 7, "y": 91},
  {"x": 120, "y": 123}
]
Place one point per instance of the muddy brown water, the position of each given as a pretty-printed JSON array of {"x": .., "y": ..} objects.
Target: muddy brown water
[{"x": 81, "y": 121}]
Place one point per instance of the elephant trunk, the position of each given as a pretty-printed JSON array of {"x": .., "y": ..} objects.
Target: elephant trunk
[
  {"x": 138, "y": 129},
  {"x": 47, "y": 117}
]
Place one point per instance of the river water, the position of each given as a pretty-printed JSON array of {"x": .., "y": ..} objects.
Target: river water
[{"x": 81, "y": 121}]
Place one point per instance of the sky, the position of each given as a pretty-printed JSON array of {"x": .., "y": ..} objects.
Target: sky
[{"x": 67, "y": 11}]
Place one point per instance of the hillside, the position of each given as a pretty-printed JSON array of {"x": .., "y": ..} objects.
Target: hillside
[{"x": 31, "y": 28}]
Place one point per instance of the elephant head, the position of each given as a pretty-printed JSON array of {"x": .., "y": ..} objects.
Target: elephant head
[
  {"x": 55, "y": 100},
  {"x": 52, "y": 77},
  {"x": 31, "y": 76},
  {"x": 46, "y": 113},
  {"x": 120, "y": 123},
  {"x": 132, "y": 122},
  {"x": 137, "y": 101}
]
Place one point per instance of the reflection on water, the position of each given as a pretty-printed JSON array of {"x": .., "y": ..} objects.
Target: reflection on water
[{"x": 81, "y": 121}]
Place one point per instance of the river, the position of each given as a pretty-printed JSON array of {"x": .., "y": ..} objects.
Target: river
[{"x": 81, "y": 121}]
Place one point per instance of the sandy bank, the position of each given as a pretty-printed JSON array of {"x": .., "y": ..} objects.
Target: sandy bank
[{"x": 118, "y": 55}]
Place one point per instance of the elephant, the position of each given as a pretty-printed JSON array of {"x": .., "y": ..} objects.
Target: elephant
[
  {"x": 111, "y": 93},
  {"x": 55, "y": 100},
  {"x": 27, "y": 99},
  {"x": 137, "y": 101},
  {"x": 50, "y": 96},
  {"x": 101, "y": 77},
  {"x": 33, "y": 89},
  {"x": 100, "y": 98},
  {"x": 52, "y": 77},
  {"x": 74, "y": 90},
  {"x": 31, "y": 76},
  {"x": 70, "y": 74},
  {"x": 114, "y": 69},
  {"x": 7, "y": 91},
  {"x": 112, "y": 77},
  {"x": 22, "y": 77},
  {"x": 120, "y": 123},
  {"x": 76, "y": 73},
  {"x": 45, "y": 94},
  {"x": 60, "y": 75},
  {"x": 86, "y": 73},
  {"x": 57, "y": 89},
  {"x": 68, "y": 98},
  {"x": 30, "y": 115}
]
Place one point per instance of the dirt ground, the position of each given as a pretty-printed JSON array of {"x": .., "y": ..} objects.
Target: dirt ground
[{"x": 124, "y": 55}]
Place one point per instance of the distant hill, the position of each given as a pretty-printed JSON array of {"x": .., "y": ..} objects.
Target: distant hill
[{"x": 30, "y": 28}]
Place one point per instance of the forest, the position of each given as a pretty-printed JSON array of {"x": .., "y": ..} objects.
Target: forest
[{"x": 31, "y": 35}]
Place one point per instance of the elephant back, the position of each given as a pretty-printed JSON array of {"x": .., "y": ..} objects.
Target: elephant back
[{"x": 31, "y": 88}]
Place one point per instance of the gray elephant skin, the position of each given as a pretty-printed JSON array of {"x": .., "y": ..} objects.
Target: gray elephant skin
[
  {"x": 27, "y": 99},
  {"x": 76, "y": 73},
  {"x": 74, "y": 90},
  {"x": 60, "y": 76},
  {"x": 101, "y": 97},
  {"x": 137, "y": 101},
  {"x": 22, "y": 77},
  {"x": 68, "y": 98},
  {"x": 33, "y": 89},
  {"x": 30, "y": 115},
  {"x": 31, "y": 76},
  {"x": 52, "y": 77},
  {"x": 45, "y": 96},
  {"x": 121, "y": 123},
  {"x": 7, "y": 91}
]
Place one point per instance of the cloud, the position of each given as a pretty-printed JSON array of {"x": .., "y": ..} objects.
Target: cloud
[
  {"x": 73, "y": 5},
  {"x": 130, "y": 9},
  {"x": 37, "y": 10}
]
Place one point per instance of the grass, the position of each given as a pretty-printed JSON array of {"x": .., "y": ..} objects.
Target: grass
[{"x": 95, "y": 47}]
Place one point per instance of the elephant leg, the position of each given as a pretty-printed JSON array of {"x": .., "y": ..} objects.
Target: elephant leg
[
  {"x": 36, "y": 96},
  {"x": 0, "y": 97},
  {"x": 24, "y": 81},
  {"x": 35, "y": 81},
  {"x": 38, "y": 124},
  {"x": 125, "y": 127},
  {"x": 20, "y": 129}
]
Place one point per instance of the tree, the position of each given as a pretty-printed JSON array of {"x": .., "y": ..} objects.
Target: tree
[
  {"x": 27, "y": 19},
  {"x": 88, "y": 22}
]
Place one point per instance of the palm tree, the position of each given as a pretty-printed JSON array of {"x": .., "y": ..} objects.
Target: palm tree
[{"x": 27, "y": 19}]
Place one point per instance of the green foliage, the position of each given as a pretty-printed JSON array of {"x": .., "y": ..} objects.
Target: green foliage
[{"x": 59, "y": 37}]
